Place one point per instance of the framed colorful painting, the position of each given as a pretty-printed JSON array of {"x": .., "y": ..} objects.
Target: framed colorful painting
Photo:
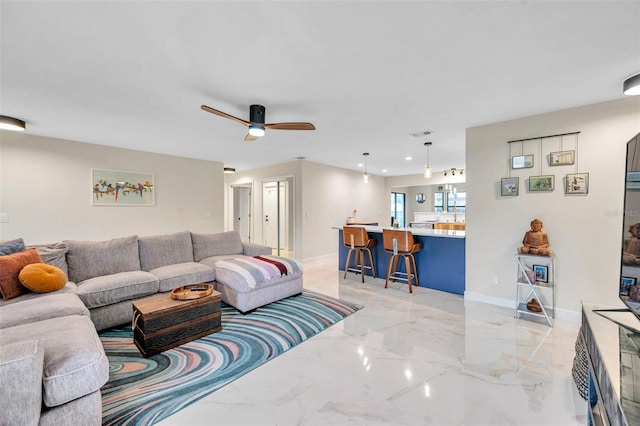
[{"x": 121, "y": 188}]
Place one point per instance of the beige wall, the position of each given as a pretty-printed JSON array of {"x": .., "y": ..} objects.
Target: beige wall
[
  {"x": 584, "y": 231},
  {"x": 45, "y": 188}
]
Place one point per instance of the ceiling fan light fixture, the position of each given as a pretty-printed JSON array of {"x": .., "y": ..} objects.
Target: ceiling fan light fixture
[
  {"x": 631, "y": 85},
  {"x": 257, "y": 131},
  {"x": 10, "y": 123}
]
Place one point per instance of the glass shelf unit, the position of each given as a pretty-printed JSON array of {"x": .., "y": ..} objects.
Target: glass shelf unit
[{"x": 535, "y": 279}]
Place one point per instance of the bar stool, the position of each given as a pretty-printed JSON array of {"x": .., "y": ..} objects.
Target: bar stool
[
  {"x": 357, "y": 240},
  {"x": 399, "y": 243}
]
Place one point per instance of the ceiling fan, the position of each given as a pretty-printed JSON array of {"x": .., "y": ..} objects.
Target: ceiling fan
[{"x": 256, "y": 122}]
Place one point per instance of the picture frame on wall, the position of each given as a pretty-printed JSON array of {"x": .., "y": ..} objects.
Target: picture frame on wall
[
  {"x": 122, "y": 188},
  {"x": 509, "y": 186},
  {"x": 562, "y": 158},
  {"x": 577, "y": 183},
  {"x": 522, "y": 161},
  {"x": 542, "y": 273},
  {"x": 541, "y": 183}
]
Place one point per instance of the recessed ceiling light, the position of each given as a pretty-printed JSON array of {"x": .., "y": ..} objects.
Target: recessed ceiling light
[
  {"x": 385, "y": 171},
  {"x": 360, "y": 164},
  {"x": 408, "y": 158}
]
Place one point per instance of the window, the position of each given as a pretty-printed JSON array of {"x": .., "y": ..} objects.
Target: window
[
  {"x": 460, "y": 200},
  {"x": 397, "y": 207},
  {"x": 438, "y": 202}
]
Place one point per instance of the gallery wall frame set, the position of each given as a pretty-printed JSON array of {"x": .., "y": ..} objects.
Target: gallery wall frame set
[{"x": 122, "y": 188}]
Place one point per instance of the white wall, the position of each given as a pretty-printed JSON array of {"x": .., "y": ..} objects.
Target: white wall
[
  {"x": 329, "y": 196},
  {"x": 324, "y": 197},
  {"x": 584, "y": 231},
  {"x": 45, "y": 187}
]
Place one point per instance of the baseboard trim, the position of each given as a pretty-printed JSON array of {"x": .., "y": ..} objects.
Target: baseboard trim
[
  {"x": 563, "y": 315},
  {"x": 321, "y": 257}
]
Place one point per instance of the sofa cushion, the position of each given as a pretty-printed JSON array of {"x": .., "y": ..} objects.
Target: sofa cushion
[
  {"x": 42, "y": 278},
  {"x": 12, "y": 246},
  {"x": 162, "y": 250},
  {"x": 114, "y": 288},
  {"x": 10, "y": 267},
  {"x": 89, "y": 259},
  {"x": 70, "y": 287},
  {"x": 21, "y": 366},
  {"x": 53, "y": 254},
  {"x": 74, "y": 361},
  {"x": 207, "y": 245},
  {"x": 173, "y": 276},
  {"x": 41, "y": 308}
]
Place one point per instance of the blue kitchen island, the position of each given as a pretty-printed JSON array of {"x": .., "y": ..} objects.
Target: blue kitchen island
[{"x": 440, "y": 263}]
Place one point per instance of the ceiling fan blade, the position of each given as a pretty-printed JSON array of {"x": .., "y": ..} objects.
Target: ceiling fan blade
[
  {"x": 225, "y": 115},
  {"x": 290, "y": 126},
  {"x": 250, "y": 138}
]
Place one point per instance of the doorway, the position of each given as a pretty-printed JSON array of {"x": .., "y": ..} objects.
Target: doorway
[
  {"x": 241, "y": 210},
  {"x": 277, "y": 221}
]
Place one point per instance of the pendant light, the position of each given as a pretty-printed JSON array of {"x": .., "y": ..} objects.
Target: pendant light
[
  {"x": 427, "y": 168},
  {"x": 365, "y": 177},
  {"x": 10, "y": 123}
]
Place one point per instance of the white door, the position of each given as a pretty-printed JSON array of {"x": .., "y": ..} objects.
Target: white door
[
  {"x": 242, "y": 211},
  {"x": 278, "y": 216}
]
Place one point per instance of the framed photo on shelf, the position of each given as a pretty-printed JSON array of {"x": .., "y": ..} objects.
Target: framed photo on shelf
[
  {"x": 509, "y": 187},
  {"x": 625, "y": 285},
  {"x": 562, "y": 158},
  {"x": 522, "y": 161},
  {"x": 541, "y": 183},
  {"x": 577, "y": 183},
  {"x": 542, "y": 273}
]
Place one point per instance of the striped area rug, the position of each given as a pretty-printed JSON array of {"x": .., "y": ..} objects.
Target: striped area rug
[{"x": 142, "y": 391}]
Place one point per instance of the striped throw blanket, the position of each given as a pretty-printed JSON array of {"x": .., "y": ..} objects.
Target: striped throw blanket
[{"x": 259, "y": 269}]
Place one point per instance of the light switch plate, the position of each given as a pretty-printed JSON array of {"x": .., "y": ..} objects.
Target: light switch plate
[{"x": 4, "y": 217}]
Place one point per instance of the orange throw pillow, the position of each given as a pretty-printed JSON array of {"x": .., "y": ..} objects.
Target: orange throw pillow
[
  {"x": 42, "y": 278},
  {"x": 10, "y": 267}
]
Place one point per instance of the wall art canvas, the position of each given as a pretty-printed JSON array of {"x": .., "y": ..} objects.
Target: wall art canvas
[
  {"x": 577, "y": 183},
  {"x": 121, "y": 188},
  {"x": 541, "y": 183},
  {"x": 509, "y": 186}
]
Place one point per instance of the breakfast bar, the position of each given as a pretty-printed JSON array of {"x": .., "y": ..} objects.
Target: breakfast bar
[{"x": 440, "y": 263}]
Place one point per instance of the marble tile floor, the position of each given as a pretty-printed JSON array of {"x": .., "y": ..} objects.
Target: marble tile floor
[{"x": 427, "y": 358}]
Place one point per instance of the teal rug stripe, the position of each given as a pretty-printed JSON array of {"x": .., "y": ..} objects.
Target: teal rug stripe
[{"x": 143, "y": 391}]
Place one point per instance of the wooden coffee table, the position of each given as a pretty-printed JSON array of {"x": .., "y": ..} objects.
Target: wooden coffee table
[{"x": 161, "y": 323}]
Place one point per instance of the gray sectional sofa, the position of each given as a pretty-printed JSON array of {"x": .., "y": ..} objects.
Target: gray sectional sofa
[{"x": 52, "y": 364}]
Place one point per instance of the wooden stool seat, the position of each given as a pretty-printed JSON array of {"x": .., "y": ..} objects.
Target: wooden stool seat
[
  {"x": 399, "y": 243},
  {"x": 357, "y": 240}
]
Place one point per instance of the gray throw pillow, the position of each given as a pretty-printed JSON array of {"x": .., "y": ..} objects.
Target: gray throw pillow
[
  {"x": 54, "y": 254},
  {"x": 89, "y": 259},
  {"x": 12, "y": 246}
]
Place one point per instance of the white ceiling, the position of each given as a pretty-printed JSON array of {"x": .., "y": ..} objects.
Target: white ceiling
[{"x": 367, "y": 74}]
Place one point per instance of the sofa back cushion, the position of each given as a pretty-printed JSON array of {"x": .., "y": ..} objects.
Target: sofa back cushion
[
  {"x": 89, "y": 259},
  {"x": 163, "y": 250},
  {"x": 207, "y": 245},
  {"x": 54, "y": 254}
]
